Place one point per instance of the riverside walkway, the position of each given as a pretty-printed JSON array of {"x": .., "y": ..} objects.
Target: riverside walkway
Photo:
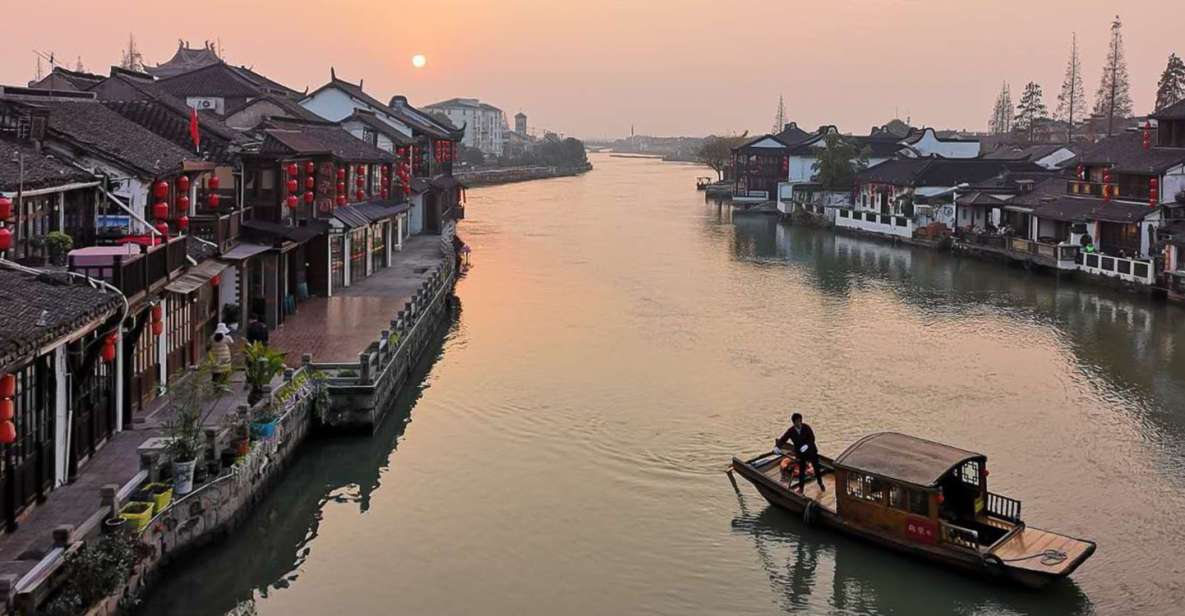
[{"x": 335, "y": 329}]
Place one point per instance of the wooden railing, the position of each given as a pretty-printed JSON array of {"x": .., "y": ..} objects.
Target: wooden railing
[
  {"x": 1003, "y": 507},
  {"x": 957, "y": 535},
  {"x": 134, "y": 274},
  {"x": 220, "y": 229}
]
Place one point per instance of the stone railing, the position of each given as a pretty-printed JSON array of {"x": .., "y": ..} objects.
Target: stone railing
[
  {"x": 358, "y": 390},
  {"x": 1138, "y": 271}
]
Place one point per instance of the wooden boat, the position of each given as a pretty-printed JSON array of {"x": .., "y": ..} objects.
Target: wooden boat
[{"x": 925, "y": 499}]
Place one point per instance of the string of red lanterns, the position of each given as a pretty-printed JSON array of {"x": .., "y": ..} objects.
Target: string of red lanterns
[
  {"x": 5, "y": 214},
  {"x": 1153, "y": 191},
  {"x": 7, "y": 409},
  {"x": 158, "y": 323}
]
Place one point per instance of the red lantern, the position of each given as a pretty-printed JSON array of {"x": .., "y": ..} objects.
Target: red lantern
[
  {"x": 341, "y": 199},
  {"x": 213, "y": 200},
  {"x": 361, "y": 169},
  {"x": 163, "y": 228},
  {"x": 183, "y": 223},
  {"x": 5, "y": 239},
  {"x": 292, "y": 186},
  {"x": 161, "y": 189},
  {"x": 7, "y": 409},
  {"x": 341, "y": 187},
  {"x": 1147, "y": 134},
  {"x": 361, "y": 195},
  {"x": 292, "y": 202},
  {"x": 1081, "y": 172},
  {"x": 309, "y": 167},
  {"x": 160, "y": 210},
  {"x": 360, "y": 181},
  {"x": 5, "y": 208},
  {"x": 215, "y": 280},
  {"x": 107, "y": 353},
  {"x": 183, "y": 203},
  {"x": 183, "y": 184},
  {"x": 310, "y": 183},
  {"x": 158, "y": 313},
  {"x": 158, "y": 328},
  {"x": 7, "y": 432},
  {"x": 214, "y": 182},
  {"x": 308, "y": 197},
  {"x": 293, "y": 170},
  {"x": 341, "y": 174},
  {"x": 8, "y": 386}
]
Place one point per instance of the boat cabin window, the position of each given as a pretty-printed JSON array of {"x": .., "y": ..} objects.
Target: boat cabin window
[
  {"x": 969, "y": 472},
  {"x": 906, "y": 499},
  {"x": 866, "y": 487}
]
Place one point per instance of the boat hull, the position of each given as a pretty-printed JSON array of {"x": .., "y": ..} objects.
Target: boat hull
[{"x": 965, "y": 561}]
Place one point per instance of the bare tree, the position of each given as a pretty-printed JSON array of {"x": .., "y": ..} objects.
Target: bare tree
[
  {"x": 780, "y": 117},
  {"x": 1001, "y": 122},
  {"x": 1113, "y": 99},
  {"x": 1073, "y": 96},
  {"x": 716, "y": 152}
]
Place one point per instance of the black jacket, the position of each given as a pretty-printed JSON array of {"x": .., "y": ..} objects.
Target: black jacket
[{"x": 798, "y": 439}]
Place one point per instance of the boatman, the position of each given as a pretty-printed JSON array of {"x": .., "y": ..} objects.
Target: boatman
[{"x": 802, "y": 438}]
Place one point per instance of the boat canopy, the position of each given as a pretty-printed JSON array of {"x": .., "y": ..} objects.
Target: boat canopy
[{"x": 904, "y": 458}]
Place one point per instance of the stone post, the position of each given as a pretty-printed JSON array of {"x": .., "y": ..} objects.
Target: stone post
[
  {"x": 109, "y": 499},
  {"x": 63, "y": 535},
  {"x": 306, "y": 359},
  {"x": 363, "y": 368}
]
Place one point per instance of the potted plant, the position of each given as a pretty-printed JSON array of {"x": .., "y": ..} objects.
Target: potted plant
[
  {"x": 162, "y": 495},
  {"x": 58, "y": 244},
  {"x": 261, "y": 364},
  {"x": 191, "y": 405},
  {"x": 137, "y": 515},
  {"x": 263, "y": 424}
]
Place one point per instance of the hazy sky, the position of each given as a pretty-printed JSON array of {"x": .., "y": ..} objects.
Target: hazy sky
[{"x": 666, "y": 66}]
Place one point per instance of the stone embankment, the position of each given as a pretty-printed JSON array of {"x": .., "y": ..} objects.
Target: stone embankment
[{"x": 508, "y": 175}]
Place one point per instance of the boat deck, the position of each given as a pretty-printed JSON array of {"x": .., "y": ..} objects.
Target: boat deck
[
  {"x": 825, "y": 498},
  {"x": 1025, "y": 549}
]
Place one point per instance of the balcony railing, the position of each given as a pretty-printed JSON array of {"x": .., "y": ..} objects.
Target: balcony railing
[
  {"x": 222, "y": 229},
  {"x": 136, "y": 274},
  {"x": 1131, "y": 270}
]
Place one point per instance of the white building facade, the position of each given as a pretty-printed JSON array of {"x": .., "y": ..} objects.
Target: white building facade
[{"x": 484, "y": 123}]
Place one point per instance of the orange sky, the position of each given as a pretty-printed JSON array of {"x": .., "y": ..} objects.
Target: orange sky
[{"x": 666, "y": 66}]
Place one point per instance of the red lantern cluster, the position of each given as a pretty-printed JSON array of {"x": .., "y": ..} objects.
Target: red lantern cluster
[
  {"x": 403, "y": 169},
  {"x": 1153, "y": 192},
  {"x": 7, "y": 409},
  {"x": 158, "y": 322},
  {"x": 107, "y": 353},
  {"x": 212, "y": 198},
  {"x": 1147, "y": 135},
  {"x": 183, "y": 184},
  {"x": 443, "y": 150},
  {"x": 5, "y": 214}
]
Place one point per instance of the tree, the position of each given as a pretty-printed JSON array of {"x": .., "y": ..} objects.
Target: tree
[
  {"x": 780, "y": 117},
  {"x": 1073, "y": 96},
  {"x": 1030, "y": 109},
  {"x": 132, "y": 60},
  {"x": 716, "y": 152},
  {"x": 1113, "y": 98},
  {"x": 837, "y": 164},
  {"x": 1001, "y": 122},
  {"x": 1171, "y": 88}
]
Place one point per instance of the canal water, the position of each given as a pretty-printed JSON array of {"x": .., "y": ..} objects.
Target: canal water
[{"x": 619, "y": 339}]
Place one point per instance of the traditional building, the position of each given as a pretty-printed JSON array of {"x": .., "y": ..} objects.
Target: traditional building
[
  {"x": 185, "y": 59},
  {"x": 63, "y": 79}
]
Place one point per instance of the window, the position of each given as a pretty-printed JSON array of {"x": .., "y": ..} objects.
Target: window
[
  {"x": 969, "y": 472},
  {"x": 866, "y": 487},
  {"x": 906, "y": 499}
]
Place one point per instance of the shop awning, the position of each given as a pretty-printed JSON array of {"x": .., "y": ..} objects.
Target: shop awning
[
  {"x": 350, "y": 217},
  {"x": 360, "y": 214},
  {"x": 244, "y": 250},
  {"x": 299, "y": 234},
  {"x": 196, "y": 276}
]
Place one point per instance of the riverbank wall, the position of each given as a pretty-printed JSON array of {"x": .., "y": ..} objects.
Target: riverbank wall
[{"x": 510, "y": 175}]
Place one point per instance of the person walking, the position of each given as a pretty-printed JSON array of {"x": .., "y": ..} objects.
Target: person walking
[
  {"x": 802, "y": 438},
  {"x": 220, "y": 353}
]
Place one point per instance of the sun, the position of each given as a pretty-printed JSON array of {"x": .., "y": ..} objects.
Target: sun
[{"x": 419, "y": 61}]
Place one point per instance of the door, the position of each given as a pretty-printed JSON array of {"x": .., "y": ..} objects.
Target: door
[{"x": 27, "y": 465}]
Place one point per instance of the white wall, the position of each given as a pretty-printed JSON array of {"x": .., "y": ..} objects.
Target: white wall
[
  {"x": 930, "y": 145},
  {"x": 335, "y": 105},
  {"x": 874, "y": 227}
]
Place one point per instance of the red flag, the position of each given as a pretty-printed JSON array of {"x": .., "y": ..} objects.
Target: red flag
[{"x": 194, "y": 133}]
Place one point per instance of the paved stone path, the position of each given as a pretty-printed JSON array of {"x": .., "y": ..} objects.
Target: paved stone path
[{"x": 338, "y": 328}]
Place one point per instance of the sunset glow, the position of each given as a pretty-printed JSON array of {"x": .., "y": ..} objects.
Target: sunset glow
[{"x": 419, "y": 61}]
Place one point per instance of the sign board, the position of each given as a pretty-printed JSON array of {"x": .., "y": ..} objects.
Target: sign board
[
  {"x": 922, "y": 530},
  {"x": 113, "y": 223}
]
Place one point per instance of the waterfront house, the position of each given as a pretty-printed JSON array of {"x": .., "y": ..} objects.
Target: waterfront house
[
  {"x": 58, "y": 380},
  {"x": 800, "y": 188},
  {"x": 435, "y": 199},
  {"x": 323, "y": 210},
  {"x": 896, "y": 197},
  {"x": 1171, "y": 137},
  {"x": 132, "y": 235},
  {"x": 222, "y": 88},
  {"x": 762, "y": 163}
]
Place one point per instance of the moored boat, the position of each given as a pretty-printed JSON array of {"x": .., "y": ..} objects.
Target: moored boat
[{"x": 925, "y": 499}]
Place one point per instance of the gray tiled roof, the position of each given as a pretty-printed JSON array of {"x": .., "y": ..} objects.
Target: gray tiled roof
[{"x": 66, "y": 303}]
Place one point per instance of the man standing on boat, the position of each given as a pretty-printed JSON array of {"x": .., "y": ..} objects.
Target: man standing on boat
[{"x": 802, "y": 438}]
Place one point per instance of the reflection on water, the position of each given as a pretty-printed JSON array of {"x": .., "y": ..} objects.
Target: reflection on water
[{"x": 622, "y": 338}]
